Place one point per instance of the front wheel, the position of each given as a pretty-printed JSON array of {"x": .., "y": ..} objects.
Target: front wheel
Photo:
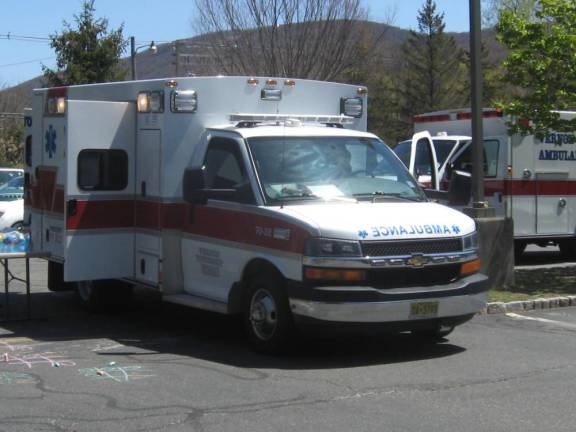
[{"x": 267, "y": 315}]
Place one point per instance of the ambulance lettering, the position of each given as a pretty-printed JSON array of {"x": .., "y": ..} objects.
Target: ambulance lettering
[
  {"x": 562, "y": 155},
  {"x": 210, "y": 262},
  {"x": 558, "y": 139},
  {"x": 408, "y": 230}
]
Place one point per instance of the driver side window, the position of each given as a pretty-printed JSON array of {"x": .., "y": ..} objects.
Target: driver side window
[{"x": 225, "y": 169}]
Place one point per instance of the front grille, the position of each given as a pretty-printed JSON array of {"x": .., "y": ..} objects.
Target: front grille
[
  {"x": 405, "y": 278},
  {"x": 409, "y": 247}
]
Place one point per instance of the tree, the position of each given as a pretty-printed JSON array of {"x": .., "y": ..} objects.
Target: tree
[
  {"x": 11, "y": 128},
  {"x": 491, "y": 79},
  {"x": 493, "y": 8},
  {"x": 431, "y": 75},
  {"x": 315, "y": 39},
  {"x": 541, "y": 64},
  {"x": 87, "y": 54}
]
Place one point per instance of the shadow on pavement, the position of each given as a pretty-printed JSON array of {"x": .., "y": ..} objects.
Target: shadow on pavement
[{"x": 150, "y": 327}]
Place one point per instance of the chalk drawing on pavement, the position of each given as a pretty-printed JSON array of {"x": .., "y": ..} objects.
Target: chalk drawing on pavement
[
  {"x": 34, "y": 359},
  {"x": 116, "y": 373},
  {"x": 7, "y": 378}
]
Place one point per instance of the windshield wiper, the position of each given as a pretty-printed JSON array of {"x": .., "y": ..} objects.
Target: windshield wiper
[{"x": 381, "y": 194}]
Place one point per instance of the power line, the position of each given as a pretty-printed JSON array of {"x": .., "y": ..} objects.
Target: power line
[
  {"x": 21, "y": 38},
  {"x": 39, "y": 39},
  {"x": 27, "y": 62}
]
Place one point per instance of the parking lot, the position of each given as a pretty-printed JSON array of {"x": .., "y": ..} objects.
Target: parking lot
[{"x": 162, "y": 367}]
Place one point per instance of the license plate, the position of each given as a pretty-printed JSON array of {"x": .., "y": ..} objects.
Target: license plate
[{"x": 424, "y": 309}]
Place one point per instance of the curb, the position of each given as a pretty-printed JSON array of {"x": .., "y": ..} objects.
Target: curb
[{"x": 528, "y": 305}]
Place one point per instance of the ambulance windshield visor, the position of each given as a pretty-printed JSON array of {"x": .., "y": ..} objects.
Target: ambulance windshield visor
[{"x": 297, "y": 168}]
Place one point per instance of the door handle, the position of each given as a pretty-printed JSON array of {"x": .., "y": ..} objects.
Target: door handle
[{"x": 72, "y": 207}]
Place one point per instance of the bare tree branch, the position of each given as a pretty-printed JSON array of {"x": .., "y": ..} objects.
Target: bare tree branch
[{"x": 315, "y": 39}]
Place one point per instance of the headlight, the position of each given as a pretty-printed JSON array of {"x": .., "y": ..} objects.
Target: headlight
[
  {"x": 470, "y": 242},
  {"x": 319, "y": 247}
]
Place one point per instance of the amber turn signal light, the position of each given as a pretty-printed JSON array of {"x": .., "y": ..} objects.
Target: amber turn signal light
[
  {"x": 470, "y": 267},
  {"x": 334, "y": 274}
]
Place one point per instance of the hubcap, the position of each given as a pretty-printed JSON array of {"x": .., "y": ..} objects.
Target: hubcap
[
  {"x": 84, "y": 289},
  {"x": 263, "y": 316}
]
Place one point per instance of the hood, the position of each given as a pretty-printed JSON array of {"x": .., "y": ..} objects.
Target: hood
[{"x": 382, "y": 221}]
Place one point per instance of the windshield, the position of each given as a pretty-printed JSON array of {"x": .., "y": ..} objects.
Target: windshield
[
  {"x": 6, "y": 176},
  {"x": 296, "y": 168},
  {"x": 14, "y": 183}
]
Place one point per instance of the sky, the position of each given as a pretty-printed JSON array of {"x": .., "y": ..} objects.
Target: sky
[{"x": 147, "y": 20}]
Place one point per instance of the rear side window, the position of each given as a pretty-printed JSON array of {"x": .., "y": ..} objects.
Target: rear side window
[
  {"x": 403, "y": 150},
  {"x": 102, "y": 170}
]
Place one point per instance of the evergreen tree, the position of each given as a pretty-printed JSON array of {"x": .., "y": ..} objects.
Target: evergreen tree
[
  {"x": 492, "y": 87},
  {"x": 431, "y": 76},
  {"x": 87, "y": 54}
]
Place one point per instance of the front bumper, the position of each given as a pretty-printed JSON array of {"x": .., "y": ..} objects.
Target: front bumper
[{"x": 463, "y": 297}]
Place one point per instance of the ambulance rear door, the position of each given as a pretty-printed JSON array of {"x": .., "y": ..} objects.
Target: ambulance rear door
[
  {"x": 99, "y": 190},
  {"x": 423, "y": 161},
  {"x": 523, "y": 185}
]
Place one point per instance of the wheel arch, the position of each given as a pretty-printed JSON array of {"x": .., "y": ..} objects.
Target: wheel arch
[{"x": 254, "y": 267}]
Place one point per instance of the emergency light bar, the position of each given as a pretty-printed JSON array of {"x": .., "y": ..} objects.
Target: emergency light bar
[{"x": 259, "y": 118}]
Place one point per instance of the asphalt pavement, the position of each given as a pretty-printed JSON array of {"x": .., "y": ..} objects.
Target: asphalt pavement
[{"x": 162, "y": 367}]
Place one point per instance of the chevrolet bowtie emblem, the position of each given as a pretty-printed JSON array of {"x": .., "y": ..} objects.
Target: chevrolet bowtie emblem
[{"x": 416, "y": 261}]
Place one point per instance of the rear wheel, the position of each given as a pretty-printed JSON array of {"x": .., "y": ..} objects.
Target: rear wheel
[
  {"x": 101, "y": 295},
  {"x": 519, "y": 247},
  {"x": 568, "y": 249},
  {"x": 267, "y": 315}
]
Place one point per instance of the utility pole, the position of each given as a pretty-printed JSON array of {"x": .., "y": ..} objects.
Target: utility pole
[
  {"x": 476, "y": 84},
  {"x": 133, "y": 57},
  {"x": 495, "y": 234}
]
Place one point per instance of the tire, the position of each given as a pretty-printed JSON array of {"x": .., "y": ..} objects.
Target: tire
[
  {"x": 90, "y": 294},
  {"x": 18, "y": 225},
  {"x": 266, "y": 313},
  {"x": 519, "y": 247},
  {"x": 98, "y": 296},
  {"x": 434, "y": 334},
  {"x": 568, "y": 249}
]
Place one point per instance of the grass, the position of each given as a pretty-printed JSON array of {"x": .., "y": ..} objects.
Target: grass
[{"x": 537, "y": 283}]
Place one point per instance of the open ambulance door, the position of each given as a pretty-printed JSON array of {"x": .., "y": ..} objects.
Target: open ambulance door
[
  {"x": 423, "y": 161},
  {"x": 99, "y": 190}
]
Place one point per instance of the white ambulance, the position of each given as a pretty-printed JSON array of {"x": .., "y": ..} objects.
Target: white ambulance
[
  {"x": 530, "y": 180},
  {"x": 264, "y": 197}
]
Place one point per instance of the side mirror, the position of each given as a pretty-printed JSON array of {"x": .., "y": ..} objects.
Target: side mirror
[
  {"x": 193, "y": 186},
  {"x": 460, "y": 188},
  {"x": 194, "y": 189}
]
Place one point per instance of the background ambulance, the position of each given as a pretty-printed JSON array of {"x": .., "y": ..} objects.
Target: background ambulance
[{"x": 527, "y": 179}]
